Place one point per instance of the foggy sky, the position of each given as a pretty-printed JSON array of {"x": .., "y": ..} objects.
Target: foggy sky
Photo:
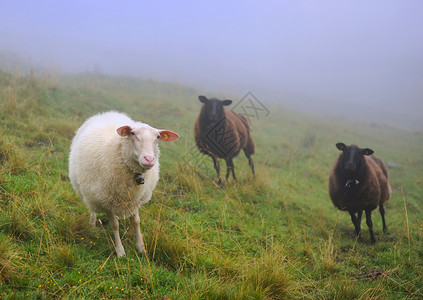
[{"x": 315, "y": 54}]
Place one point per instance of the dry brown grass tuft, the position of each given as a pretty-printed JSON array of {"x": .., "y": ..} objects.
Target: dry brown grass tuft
[
  {"x": 328, "y": 257},
  {"x": 63, "y": 256},
  {"x": 269, "y": 276},
  {"x": 19, "y": 225},
  {"x": 72, "y": 228},
  {"x": 9, "y": 257},
  {"x": 12, "y": 156},
  {"x": 189, "y": 179},
  {"x": 165, "y": 249}
]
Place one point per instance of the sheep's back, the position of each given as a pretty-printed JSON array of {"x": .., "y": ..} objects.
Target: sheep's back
[
  {"x": 237, "y": 128},
  {"x": 381, "y": 164},
  {"x": 209, "y": 141},
  {"x": 249, "y": 145},
  {"x": 381, "y": 174}
]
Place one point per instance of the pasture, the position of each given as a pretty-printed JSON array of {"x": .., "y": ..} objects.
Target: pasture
[{"x": 275, "y": 236}]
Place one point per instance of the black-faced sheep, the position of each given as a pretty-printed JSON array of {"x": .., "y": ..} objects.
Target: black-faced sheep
[
  {"x": 222, "y": 133},
  {"x": 114, "y": 168},
  {"x": 359, "y": 181}
]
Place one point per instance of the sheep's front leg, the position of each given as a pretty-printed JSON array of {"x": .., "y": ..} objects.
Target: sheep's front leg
[
  {"x": 357, "y": 222},
  {"x": 135, "y": 223},
  {"x": 93, "y": 219},
  {"x": 217, "y": 167},
  {"x": 118, "y": 243},
  {"x": 370, "y": 225}
]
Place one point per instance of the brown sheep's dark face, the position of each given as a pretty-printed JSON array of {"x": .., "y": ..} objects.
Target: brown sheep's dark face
[
  {"x": 213, "y": 108},
  {"x": 352, "y": 158}
]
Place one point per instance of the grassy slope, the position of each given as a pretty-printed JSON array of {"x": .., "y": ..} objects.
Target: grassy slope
[{"x": 275, "y": 236}]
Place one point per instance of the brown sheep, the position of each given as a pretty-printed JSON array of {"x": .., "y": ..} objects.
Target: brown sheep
[
  {"x": 222, "y": 133},
  {"x": 359, "y": 181}
]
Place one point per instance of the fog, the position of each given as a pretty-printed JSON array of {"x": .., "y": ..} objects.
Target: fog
[{"x": 360, "y": 60}]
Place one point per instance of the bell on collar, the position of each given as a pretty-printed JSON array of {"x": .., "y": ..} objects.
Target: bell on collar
[{"x": 139, "y": 178}]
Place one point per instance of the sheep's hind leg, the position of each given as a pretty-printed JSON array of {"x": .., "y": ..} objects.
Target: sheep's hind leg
[
  {"x": 230, "y": 168},
  {"x": 382, "y": 213},
  {"x": 370, "y": 225},
  {"x": 135, "y": 223},
  {"x": 118, "y": 243},
  {"x": 250, "y": 162}
]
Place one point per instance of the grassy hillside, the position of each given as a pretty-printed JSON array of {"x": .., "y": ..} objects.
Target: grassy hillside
[{"x": 275, "y": 236}]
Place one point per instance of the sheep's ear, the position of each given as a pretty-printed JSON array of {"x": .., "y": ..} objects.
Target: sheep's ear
[
  {"x": 367, "y": 151},
  {"x": 203, "y": 99},
  {"x": 168, "y": 136},
  {"x": 341, "y": 146},
  {"x": 226, "y": 102},
  {"x": 124, "y": 130}
]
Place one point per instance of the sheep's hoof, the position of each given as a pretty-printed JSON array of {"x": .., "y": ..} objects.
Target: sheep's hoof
[
  {"x": 359, "y": 238},
  {"x": 141, "y": 248},
  {"x": 120, "y": 251}
]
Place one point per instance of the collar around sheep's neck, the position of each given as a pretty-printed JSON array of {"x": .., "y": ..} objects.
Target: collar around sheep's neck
[
  {"x": 136, "y": 170},
  {"x": 138, "y": 174},
  {"x": 134, "y": 166},
  {"x": 351, "y": 182}
]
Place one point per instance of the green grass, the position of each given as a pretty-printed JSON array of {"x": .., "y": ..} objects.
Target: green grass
[{"x": 276, "y": 236}]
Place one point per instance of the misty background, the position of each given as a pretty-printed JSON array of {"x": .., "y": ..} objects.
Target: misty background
[{"x": 358, "y": 60}]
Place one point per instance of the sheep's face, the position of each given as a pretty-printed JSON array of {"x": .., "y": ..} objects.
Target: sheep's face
[
  {"x": 352, "y": 158},
  {"x": 143, "y": 140},
  {"x": 213, "y": 108}
]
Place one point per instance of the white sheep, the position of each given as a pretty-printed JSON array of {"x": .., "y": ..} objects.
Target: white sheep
[{"x": 114, "y": 168}]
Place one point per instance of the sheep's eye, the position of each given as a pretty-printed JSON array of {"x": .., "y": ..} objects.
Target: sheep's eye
[
  {"x": 158, "y": 136},
  {"x": 133, "y": 133}
]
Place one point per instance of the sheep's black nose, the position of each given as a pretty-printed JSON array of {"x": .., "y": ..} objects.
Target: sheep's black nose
[
  {"x": 349, "y": 166},
  {"x": 214, "y": 117}
]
